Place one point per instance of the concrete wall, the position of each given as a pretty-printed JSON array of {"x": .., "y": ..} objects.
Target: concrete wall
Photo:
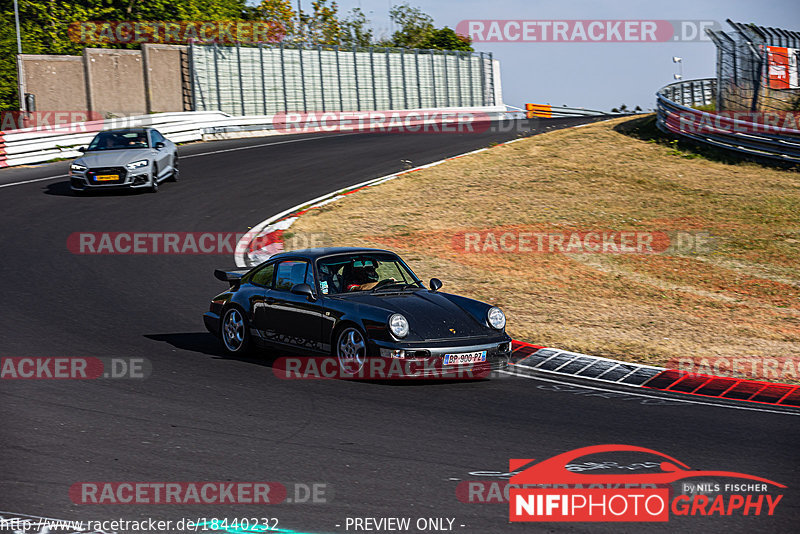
[
  {"x": 164, "y": 82},
  {"x": 58, "y": 82},
  {"x": 115, "y": 81},
  {"x": 108, "y": 81}
]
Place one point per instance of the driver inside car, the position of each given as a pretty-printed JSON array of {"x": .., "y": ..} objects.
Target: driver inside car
[{"x": 365, "y": 278}]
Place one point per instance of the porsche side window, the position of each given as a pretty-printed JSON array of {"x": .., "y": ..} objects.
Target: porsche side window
[
  {"x": 289, "y": 274},
  {"x": 263, "y": 276}
]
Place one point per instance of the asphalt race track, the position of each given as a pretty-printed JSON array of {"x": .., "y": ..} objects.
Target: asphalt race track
[{"x": 396, "y": 450}]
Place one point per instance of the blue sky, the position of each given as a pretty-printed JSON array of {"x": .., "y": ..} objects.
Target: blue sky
[{"x": 592, "y": 75}]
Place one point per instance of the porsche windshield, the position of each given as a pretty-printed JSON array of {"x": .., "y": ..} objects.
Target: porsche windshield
[
  {"x": 119, "y": 140},
  {"x": 364, "y": 272}
]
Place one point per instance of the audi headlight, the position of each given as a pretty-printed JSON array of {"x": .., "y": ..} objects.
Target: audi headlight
[
  {"x": 137, "y": 164},
  {"x": 496, "y": 317},
  {"x": 77, "y": 167},
  {"x": 398, "y": 325}
]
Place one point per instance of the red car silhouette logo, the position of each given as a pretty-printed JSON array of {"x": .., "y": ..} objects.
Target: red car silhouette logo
[{"x": 554, "y": 470}]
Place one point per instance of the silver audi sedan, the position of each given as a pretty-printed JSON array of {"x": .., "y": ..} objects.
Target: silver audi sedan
[{"x": 132, "y": 158}]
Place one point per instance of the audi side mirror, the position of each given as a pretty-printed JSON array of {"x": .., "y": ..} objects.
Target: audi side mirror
[
  {"x": 160, "y": 145},
  {"x": 435, "y": 284}
]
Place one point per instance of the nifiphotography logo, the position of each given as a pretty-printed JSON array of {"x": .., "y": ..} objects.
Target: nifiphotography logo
[{"x": 548, "y": 491}]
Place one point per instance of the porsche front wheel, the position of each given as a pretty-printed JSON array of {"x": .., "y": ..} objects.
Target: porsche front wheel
[{"x": 351, "y": 350}]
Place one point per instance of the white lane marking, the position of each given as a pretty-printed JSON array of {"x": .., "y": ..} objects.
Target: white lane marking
[
  {"x": 199, "y": 154},
  {"x": 669, "y": 398},
  {"x": 266, "y": 144},
  {"x": 35, "y": 180}
]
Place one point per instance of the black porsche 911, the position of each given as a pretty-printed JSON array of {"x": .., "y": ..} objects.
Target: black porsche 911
[{"x": 354, "y": 304}]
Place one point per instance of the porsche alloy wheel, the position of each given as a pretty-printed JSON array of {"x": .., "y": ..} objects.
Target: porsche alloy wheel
[
  {"x": 351, "y": 350},
  {"x": 234, "y": 331}
]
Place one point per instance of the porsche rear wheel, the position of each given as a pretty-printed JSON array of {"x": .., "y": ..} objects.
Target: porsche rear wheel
[
  {"x": 351, "y": 350},
  {"x": 233, "y": 332}
]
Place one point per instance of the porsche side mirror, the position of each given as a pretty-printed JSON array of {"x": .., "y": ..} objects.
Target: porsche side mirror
[
  {"x": 435, "y": 284},
  {"x": 304, "y": 289},
  {"x": 160, "y": 145}
]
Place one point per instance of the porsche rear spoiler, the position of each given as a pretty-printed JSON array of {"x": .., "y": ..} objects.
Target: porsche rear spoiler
[{"x": 232, "y": 277}]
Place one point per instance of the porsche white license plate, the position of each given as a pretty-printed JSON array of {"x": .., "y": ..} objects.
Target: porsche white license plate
[{"x": 465, "y": 358}]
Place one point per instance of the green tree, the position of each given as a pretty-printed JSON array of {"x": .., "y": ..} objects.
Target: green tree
[
  {"x": 355, "y": 29},
  {"x": 415, "y": 26},
  {"x": 323, "y": 26},
  {"x": 45, "y": 26},
  {"x": 446, "y": 39},
  {"x": 279, "y": 12}
]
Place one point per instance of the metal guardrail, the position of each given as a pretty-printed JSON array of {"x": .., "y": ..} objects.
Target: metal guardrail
[
  {"x": 32, "y": 145},
  {"x": 730, "y": 131}
]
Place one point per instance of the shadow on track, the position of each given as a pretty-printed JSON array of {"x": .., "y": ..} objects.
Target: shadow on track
[
  {"x": 62, "y": 189},
  {"x": 205, "y": 343}
]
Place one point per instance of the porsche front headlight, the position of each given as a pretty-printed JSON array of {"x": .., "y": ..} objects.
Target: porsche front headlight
[
  {"x": 398, "y": 325},
  {"x": 137, "y": 164},
  {"x": 496, "y": 318}
]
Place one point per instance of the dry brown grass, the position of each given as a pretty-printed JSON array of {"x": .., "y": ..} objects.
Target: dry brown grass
[{"x": 741, "y": 299}]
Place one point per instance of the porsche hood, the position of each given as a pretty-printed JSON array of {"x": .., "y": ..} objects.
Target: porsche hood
[{"x": 431, "y": 315}]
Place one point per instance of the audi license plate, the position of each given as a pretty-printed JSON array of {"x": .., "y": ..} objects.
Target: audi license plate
[
  {"x": 106, "y": 177},
  {"x": 465, "y": 358}
]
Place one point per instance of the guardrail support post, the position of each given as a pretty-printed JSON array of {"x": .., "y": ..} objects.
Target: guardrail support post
[
  {"x": 403, "y": 73},
  {"x": 483, "y": 80},
  {"x": 458, "y": 79},
  {"x": 192, "y": 80},
  {"x": 491, "y": 80},
  {"x": 446, "y": 83},
  {"x": 216, "y": 75},
  {"x": 389, "y": 79},
  {"x": 283, "y": 79},
  {"x": 372, "y": 73},
  {"x": 239, "y": 71},
  {"x": 339, "y": 78},
  {"x": 419, "y": 85},
  {"x": 321, "y": 77},
  {"x": 302, "y": 77},
  {"x": 263, "y": 83},
  {"x": 433, "y": 77},
  {"x": 355, "y": 76}
]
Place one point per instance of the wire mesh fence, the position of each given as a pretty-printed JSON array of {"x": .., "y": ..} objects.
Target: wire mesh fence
[
  {"x": 294, "y": 77},
  {"x": 757, "y": 68}
]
